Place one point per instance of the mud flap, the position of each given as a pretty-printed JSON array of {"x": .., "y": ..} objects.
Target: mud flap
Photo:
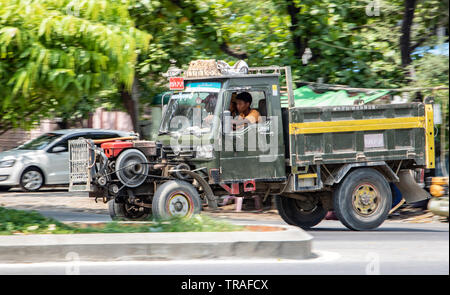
[{"x": 409, "y": 188}]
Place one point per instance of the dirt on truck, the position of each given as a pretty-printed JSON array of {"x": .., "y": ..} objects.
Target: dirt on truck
[{"x": 310, "y": 159}]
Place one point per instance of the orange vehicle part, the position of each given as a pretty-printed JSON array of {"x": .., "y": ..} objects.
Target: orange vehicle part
[{"x": 112, "y": 149}]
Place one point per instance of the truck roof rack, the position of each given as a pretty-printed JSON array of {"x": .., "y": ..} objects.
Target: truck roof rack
[{"x": 207, "y": 69}]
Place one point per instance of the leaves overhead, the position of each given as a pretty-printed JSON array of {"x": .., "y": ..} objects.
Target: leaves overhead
[
  {"x": 54, "y": 53},
  {"x": 67, "y": 57}
]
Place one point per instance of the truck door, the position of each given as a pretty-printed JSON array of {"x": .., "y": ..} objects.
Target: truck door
[{"x": 253, "y": 152}]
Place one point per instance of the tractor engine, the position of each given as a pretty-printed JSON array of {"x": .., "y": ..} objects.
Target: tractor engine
[
  {"x": 138, "y": 178},
  {"x": 121, "y": 170}
]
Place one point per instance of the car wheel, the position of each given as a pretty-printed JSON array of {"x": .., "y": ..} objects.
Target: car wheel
[{"x": 31, "y": 179}]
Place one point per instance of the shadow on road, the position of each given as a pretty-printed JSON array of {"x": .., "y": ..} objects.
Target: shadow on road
[{"x": 384, "y": 229}]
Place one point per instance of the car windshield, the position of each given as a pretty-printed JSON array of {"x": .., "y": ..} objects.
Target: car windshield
[
  {"x": 191, "y": 110},
  {"x": 40, "y": 142}
]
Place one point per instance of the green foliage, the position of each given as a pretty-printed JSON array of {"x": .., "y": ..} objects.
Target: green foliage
[
  {"x": 67, "y": 57},
  {"x": 53, "y": 53},
  {"x": 16, "y": 221},
  {"x": 26, "y": 222},
  {"x": 432, "y": 70}
]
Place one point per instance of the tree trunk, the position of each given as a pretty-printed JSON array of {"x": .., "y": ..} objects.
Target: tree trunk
[
  {"x": 131, "y": 104},
  {"x": 405, "y": 38},
  {"x": 300, "y": 44}
]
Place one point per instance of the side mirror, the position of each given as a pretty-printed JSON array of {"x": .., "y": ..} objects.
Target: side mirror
[
  {"x": 59, "y": 149},
  {"x": 226, "y": 122}
]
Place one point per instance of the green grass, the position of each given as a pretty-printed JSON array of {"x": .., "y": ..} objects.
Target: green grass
[{"x": 31, "y": 222}]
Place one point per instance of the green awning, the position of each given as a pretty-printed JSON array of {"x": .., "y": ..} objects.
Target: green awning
[
  {"x": 306, "y": 97},
  {"x": 158, "y": 97}
]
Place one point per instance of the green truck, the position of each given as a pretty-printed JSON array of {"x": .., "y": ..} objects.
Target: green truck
[{"x": 311, "y": 160}]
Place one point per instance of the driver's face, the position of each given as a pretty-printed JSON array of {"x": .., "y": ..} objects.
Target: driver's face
[{"x": 242, "y": 106}]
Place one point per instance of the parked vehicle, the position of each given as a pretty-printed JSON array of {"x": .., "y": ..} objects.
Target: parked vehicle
[
  {"x": 45, "y": 159},
  {"x": 312, "y": 159}
]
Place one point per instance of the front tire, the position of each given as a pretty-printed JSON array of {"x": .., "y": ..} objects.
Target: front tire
[
  {"x": 176, "y": 198},
  {"x": 127, "y": 211},
  {"x": 31, "y": 179},
  {"x": 294, "y": 212},
  {"x": 363, "y": 200}
]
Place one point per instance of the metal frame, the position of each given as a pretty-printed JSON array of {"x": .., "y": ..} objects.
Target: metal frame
[
  {"x": 252, "y": 72},
  {"x": 80, "y": 166}
]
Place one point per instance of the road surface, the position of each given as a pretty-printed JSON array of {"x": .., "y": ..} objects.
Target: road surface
[{"x": 394, "y": 248}]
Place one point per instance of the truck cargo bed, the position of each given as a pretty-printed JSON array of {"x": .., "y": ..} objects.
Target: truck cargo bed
[{"x": 360, "y": 133}]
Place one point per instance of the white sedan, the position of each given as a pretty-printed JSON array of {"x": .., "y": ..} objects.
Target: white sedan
[{"x": 45, "y": 159}]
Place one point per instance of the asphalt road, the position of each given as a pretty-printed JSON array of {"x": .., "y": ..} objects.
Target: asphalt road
[{"x": 394, "y": 248}]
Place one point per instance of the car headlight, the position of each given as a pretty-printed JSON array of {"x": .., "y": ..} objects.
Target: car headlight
[
  {"x": 7, "y": 163},
  {"x": 204, "y": 151}
]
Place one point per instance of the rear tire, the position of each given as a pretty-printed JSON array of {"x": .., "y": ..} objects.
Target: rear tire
[
  {"x": 176, "y": 198},
  {"x": 281, "y": 212},
  {"x": 127, "y": 211},
  {"x": 363, "y": 200},
  {"x": 292, "y": 212}
]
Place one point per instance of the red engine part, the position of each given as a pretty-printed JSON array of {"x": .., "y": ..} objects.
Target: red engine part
[{"x": 112, "y": 149}]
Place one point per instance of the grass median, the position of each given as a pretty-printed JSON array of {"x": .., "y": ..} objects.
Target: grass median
[{"x": 16, "y": 222}]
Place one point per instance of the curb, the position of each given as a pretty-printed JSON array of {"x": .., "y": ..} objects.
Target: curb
[{"x": 291, "y": 243}]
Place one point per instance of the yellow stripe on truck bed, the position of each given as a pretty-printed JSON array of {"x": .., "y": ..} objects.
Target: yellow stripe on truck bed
[{"x": 356, "y": 125}]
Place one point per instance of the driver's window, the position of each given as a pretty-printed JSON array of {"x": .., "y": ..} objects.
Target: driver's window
[{"x": 254, "y": 112}]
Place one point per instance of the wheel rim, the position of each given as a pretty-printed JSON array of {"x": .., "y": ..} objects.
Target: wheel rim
[
  {"x": 179, "y": 204},
  {"x": 32, "y": 180},
  {"x": 305, "y": 207},
  {"x": 365, "y": 199}
]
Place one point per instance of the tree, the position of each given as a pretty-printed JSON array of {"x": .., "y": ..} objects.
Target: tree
[{"x": 54, "y": 53}]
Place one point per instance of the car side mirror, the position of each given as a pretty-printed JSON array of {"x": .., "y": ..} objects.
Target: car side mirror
[
  {"x": 59, "y": 149},
  {"x": 226, "y": 122}
]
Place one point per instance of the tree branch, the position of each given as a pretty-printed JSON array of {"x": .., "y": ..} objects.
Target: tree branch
[{"x": 191, "y": 10}]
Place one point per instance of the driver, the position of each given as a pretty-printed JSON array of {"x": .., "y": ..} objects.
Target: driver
[{"x": 247, "y": 115}]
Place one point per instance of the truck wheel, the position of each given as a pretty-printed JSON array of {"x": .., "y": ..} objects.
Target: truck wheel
[
  {"x": 176, "y": 198},
  {"x": 363, "y": 200},
  {"x": 281, "y": 212},
  {"x": 127, "y": 211},
  {"x": 294, "y": 212}
]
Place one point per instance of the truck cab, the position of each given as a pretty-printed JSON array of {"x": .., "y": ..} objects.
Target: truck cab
[{"x": 195, "y": 118}]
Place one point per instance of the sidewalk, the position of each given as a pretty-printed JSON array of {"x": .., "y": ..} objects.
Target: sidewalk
[{"x": 290, "y": 243}]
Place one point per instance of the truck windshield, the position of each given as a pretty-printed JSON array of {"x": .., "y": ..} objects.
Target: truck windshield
[{"x": 191, "y": 110}]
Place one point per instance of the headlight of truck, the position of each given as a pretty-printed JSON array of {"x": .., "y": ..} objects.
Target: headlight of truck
[
  {"x": 7, "y": 163},
  {"x": 204, "y": 151}
]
